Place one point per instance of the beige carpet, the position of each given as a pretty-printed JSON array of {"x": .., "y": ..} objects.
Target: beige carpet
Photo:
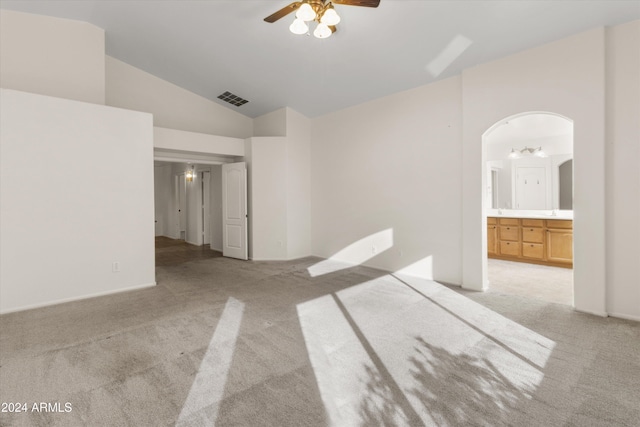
[
  {"x": 546, "y": 283},
  {"x": 312, "y": 343}
]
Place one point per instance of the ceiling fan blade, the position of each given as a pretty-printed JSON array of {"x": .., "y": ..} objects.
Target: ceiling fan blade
[
  {"x": 283, "y": 12},
  {"x": 364, "y": 3}
]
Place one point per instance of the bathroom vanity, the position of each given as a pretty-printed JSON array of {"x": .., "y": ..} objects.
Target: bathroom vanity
[{"x": 536, "y": 238}]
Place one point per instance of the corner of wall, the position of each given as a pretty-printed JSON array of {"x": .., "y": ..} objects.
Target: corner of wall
[{"x": 271, "y": 124}]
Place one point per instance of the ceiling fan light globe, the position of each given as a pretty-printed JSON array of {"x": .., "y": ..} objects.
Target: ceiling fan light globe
[
  {"x": 330, "y": 17},
  {"x": 306, "y": 12},
  {"x": 322, "y": 31},
  {"x": 298, "y": 27}
]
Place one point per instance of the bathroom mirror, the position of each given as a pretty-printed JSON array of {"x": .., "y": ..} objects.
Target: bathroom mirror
[{"x": 530, "y": 163}]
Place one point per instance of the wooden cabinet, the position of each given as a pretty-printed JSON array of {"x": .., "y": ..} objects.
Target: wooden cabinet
[
  {"x": 538, "y": 241},
  {"x": 560, "y": 245},
  {"x": 533, "y": 239},
  {"x": 492, "y": 236},
  {"x": 510, "y": 248}
]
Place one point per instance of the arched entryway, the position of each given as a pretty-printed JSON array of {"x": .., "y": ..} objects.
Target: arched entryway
[{"x": 527, "y": 210}]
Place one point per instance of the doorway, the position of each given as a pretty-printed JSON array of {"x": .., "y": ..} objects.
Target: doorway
[
  {"x": 188, "y": 206},
  {"x": 528, "y": 161}
]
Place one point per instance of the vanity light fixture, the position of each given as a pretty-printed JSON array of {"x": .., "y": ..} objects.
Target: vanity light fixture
[
  {"x": 190, "y": 174},
  {"x": 516, "y": 154}
]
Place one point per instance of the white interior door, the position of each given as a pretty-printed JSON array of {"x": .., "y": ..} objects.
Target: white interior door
[
  {"x": 234, "y": 210},
  {"x": 182, "y": 206},
  {"x": 206, "y": 207}
]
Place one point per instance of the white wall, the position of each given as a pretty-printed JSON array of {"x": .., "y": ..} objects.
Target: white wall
[
  {"x": 268, "y": 199},
  {"x": 173, "y": 140},
  {"x": 288, "y": 183},
  {"x": 52, "y": 56},
  {"x": 391, "y": 164},
  {"x": 172, "y": 106},
  {"x": 623, "y": 178},
  {"x": 77, "y": 195},
  {"x": 298, "y": 185},
  {"x": 271, "y": 124},
  {"x": 564, "y": 77}
]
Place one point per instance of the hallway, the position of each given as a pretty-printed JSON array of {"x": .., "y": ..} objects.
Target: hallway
[{"x": 174, "y": 252}]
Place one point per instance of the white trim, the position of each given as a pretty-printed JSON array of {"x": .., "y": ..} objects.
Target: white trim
[
  {"x": 625, "y": 316},
  {"x": 65, "y": 300},
  {"x": 191, "y": 159},
  {"x": 595, "y": 313},
  {"x": 466, "y": 288}
]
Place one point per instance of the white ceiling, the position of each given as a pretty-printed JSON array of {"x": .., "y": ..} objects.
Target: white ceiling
[{"x": 210, "y": 47}]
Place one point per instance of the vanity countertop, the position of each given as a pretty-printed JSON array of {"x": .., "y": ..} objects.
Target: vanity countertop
[{"x": 533, "y": 214}]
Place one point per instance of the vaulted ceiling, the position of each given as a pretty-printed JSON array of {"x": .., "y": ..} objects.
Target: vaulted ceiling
[{"x": 210, "y": 47}]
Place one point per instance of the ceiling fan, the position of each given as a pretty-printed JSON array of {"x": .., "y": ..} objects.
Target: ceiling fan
[{"x": 321, "y": 11}]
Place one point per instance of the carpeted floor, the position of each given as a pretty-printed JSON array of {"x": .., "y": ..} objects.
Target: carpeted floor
[
  {"x": 174, "y": 252},
  {"x": 315, "y": 343},
  {"x": 543, "y": 282}
]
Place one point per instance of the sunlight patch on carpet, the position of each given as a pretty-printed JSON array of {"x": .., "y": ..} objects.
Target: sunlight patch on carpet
[
  {"x": 208, "y": 386},
  {"x": 401, "y": 350}
]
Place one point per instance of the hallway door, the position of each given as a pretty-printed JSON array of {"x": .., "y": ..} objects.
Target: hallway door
[
  {"x": 234, "y": 211},
  {"x": 205, "y": 197},
  {"x": 181, "y": 191}
]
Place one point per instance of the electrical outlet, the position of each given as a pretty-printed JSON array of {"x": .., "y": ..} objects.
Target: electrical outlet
[{"x": 115, "y": 267}]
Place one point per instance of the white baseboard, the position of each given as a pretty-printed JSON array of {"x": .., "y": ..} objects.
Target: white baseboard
[
  {"x": 71, "y": 299},
  {"x": 595, "y": 313},
  {"x": 625, "y": 316}
]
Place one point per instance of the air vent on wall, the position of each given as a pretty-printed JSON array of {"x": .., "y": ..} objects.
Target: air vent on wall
[{"x": 232, "y": 99}]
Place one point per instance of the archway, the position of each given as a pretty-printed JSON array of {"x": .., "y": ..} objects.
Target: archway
[{"x": 526, "y": 211}]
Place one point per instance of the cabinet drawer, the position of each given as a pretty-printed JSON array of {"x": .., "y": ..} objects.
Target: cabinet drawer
[
  {"x": 559, "y": 223},
  {"x": 532, "y": 234},
  {"x": 532, "y": 222},
  {"x": 533, "y": 250},
  {"x": 509, "y": 233},
  {"x": 509, "y": 221},
  {"x": 492, "y": 220},
  {"x": 510, "y": 248}
]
